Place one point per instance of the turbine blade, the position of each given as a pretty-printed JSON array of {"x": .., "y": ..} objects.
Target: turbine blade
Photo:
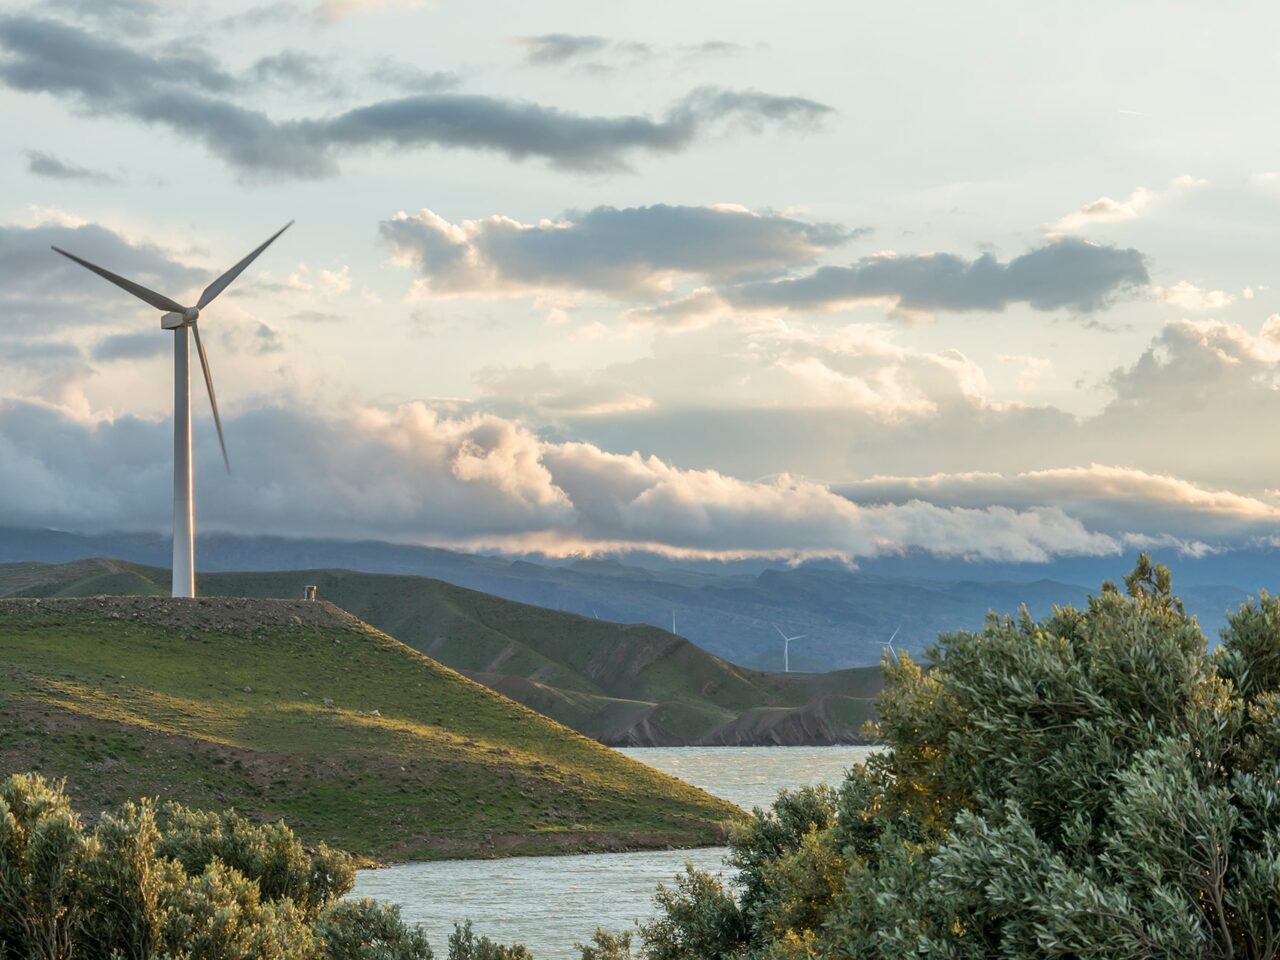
[
  {"x": 800, "y": 637},
  {"x": 213, "y": 397},
  {"x": 157, "y": 300},
  {"x": 895, "y": 633},
  {"x": 780, "y": 633},
  {"x": 224, "y": 281}
]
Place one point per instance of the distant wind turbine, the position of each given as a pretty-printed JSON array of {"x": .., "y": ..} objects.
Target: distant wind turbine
[
  {"x": 182, "y": 321},
  {"x": 786, "y": 647},
  {"x": 893, "y": 652}
]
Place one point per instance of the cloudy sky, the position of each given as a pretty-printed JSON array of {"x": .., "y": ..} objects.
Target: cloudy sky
[{"x": 988, "y": 280}]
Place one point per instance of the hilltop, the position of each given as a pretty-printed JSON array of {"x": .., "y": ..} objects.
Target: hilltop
[
  {"x": 622, "y": 684},
  {"x": 299, "y": 710}
]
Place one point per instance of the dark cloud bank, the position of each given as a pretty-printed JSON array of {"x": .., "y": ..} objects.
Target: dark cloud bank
[
  {"x": 1067, "y": 273},
  {"x": 619, "y": 251},
  {"x": 606, "y": 53},
  {"x": 189, "y": 93},
  {"x": 44, "y": 164},
  {"x": 39, "y": 287},
  {"x": 629, "y": 252}
]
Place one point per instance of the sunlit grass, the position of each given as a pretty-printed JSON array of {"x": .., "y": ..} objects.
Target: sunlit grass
[{"x": 206, "y": 716}]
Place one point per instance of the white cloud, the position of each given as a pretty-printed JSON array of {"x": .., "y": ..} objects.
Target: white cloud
[
  {"x": 696, "y": 309},
  {"x": 1106, "y": 210},
  {"x": 334, "y": 282},
  {"x": 410, "y": 473},
  {"x": 858, "y": 370},
  {"x": 757, "y": 396},
  {"x": 1120, "y": 500},
  {"x": 310, "y": 283},
  {"x": 1190, "y": 297},
  {"x": 1031, "y": 370},
  {"x": 330, "y": 11}
]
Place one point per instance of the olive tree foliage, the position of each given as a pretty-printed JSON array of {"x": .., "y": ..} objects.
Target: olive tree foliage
[
  {"x": 1096, "y": 784},
  {"x": 169, "y": 883},
  {"x": 465, "y": 945},
  {"x": 605, "y": 945}
]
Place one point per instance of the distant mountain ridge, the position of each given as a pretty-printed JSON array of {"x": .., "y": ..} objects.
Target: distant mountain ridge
[
  {"x": 731, "y": 610},
  {"x": 625, "y": 685}
]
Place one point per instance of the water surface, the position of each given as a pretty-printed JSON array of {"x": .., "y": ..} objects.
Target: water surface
[
  {"x": 751, "y": 776},
  {"x": 550, "y": 903}
]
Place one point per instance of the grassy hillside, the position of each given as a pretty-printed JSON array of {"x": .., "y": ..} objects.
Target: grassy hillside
[
  {"x": 622, "y": 684},
  {"x": 299, "y": 710}
]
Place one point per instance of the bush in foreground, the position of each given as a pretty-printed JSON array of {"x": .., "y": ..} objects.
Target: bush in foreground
[
  {"x": 1093, "y": 785},
  {"x": 175, "y": 884}
]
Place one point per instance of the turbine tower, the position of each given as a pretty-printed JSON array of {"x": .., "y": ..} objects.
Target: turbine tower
[
  {"x": 786, "y": 647},
  {"x": 182, "y": 321}
]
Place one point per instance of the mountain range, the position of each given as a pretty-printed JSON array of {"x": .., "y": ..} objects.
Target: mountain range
[{"x": 733, "y": 610}]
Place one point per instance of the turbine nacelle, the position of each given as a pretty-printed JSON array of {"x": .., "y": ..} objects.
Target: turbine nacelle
[{"x": 173, "y": 321}]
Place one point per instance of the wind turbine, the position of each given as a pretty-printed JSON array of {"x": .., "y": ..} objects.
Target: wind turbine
[
  {"x": 893, "y": 652},
  {"x": 786, "y": 647},
  {"x": 182, "y": 321}
]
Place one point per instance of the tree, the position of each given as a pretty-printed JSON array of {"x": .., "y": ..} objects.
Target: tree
[{"x": 1096, "y": 784}]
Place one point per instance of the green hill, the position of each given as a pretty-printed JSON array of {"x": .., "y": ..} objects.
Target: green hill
[
  {"x": 299, "y": 710},
  {"x": 625, "y": 685}
]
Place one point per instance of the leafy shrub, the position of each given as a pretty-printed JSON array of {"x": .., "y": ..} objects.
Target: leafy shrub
[
  {"x": 269, "y": 854},
  {"x": 367, "y": 930},
  {"x": 176, "y": 885},
  {"x": 465, "y": 945},
  {"x": 606, "y": 946},
  {"x": 698, "y": 917},
  {"x": 1092, "y": 785}
]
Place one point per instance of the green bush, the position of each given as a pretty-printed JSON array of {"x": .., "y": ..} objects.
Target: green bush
[
  {"x": 269, "y": 854},
  {"x": 368, "y": 930},
  {"x": 606, "y": 946},
  {"x": 698, "y": 917},
  {"x": 1093, "y": 785},
  {"x": 465, "y": 945},
  {"x": 176, "y": 884}
]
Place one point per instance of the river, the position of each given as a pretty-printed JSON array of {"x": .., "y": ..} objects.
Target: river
[{"x": 551, "y": 903}]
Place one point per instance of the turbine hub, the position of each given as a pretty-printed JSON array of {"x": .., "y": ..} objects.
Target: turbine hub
[{"x": 190, "y": 315}]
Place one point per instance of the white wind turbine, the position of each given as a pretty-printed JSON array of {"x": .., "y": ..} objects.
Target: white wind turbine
[
  {"x": 182, "y": 321},
  {"x": 786, "y": 647},
  {"x": 892, "y": 652}
]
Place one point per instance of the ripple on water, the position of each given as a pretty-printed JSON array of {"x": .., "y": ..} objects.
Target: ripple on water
[{"x": 550, "y": 903}]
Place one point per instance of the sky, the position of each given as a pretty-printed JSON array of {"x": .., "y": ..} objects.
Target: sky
[{"x": 992, "y": 281}]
